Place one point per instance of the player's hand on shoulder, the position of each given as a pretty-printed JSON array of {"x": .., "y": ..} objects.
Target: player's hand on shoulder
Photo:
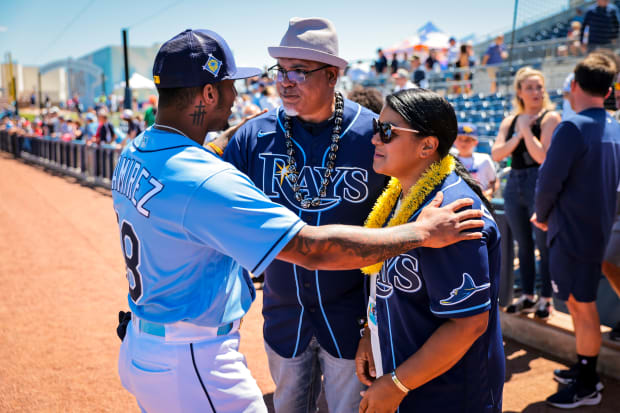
[
  {"x": 451, "y": 223},
  {"x": 223, "y": 138}
]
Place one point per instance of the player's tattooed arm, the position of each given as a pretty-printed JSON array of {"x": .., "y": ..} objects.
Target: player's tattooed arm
[{"x": 334, "y": 247}]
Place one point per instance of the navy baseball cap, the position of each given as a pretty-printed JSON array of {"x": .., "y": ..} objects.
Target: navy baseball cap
[
  {"x": 468, "y": 129},
  {"x": 195, "y": 58}
]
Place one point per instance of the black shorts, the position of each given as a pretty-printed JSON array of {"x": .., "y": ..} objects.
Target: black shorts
[{"x": 572, "y": 276}]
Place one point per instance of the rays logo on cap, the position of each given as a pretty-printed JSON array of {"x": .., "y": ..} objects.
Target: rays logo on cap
[
  {"x": 468, "y": 129},
  {"x": 213, "y": 65}
]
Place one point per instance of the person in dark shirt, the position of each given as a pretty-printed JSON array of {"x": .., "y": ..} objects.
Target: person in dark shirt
[
  {"x": 105, "y": 131},
  {"x": 419, "y": 75},
  {"x": 602, "y": 25},
  {"x": 582, "y": 164},
  {"x": 381, "y": 62},
  {"x": 394, "y": 64},
  {"x": 133, "y": 128}
]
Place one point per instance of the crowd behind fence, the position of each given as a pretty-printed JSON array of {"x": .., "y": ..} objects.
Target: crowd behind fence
[{"x": 90, "y": 163}]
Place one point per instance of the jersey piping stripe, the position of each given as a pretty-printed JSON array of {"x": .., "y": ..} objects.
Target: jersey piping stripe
[
  {"x": 273, "y": 246},
  {"x": 451, "y": 185},
  {"x": 318, "y": 291},
  {"x": 476, "y": 307},
  {"x": 301, "y": 314},
  {"x": 329, "y": 328},
  {"x": 161, "y": 149},
  {"x": 359, "y": 110},
  {"x": 387, "y": 307},
  {"x": 191, "y": 348}
]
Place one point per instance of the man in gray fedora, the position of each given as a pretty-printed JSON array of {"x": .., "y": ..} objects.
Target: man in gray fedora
[{"x": 314, "y": 156}]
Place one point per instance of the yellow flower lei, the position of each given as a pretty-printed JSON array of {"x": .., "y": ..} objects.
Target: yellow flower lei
[{"x": 433, "y": 176}]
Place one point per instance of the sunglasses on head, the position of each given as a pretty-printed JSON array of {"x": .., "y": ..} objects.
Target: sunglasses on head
[{"x": 384, "y": 130}]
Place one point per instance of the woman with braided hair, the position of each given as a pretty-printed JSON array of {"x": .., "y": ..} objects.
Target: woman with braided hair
[{"x": 433, "y": 341}]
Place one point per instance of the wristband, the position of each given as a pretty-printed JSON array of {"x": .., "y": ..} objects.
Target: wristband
[
  {"x": 218, "y": 151},
  {"x": 399, "y": 384}
]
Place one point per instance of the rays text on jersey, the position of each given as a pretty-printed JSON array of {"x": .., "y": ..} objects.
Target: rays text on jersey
[
  {"x": 347, "y": 183},
  {"x": 136, "y": 183}
]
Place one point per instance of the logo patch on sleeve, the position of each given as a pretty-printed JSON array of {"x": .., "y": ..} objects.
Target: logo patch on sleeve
[{"x": 466, "y": 290}]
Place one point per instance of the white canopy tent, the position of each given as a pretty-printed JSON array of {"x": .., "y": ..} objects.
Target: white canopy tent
[{"x": 136, "y": 82}]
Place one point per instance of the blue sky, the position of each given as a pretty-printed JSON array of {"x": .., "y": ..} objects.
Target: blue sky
[{"x": 39, "y": 31}]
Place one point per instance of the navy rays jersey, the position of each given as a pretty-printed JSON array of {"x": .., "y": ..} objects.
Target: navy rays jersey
[
  {"x": 189, "y": 222},
  {"x": 301, "y": 303},
  {"x": 416, "y": 293}
]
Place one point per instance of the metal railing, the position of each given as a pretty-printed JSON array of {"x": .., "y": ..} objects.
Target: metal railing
[{"x": 90, "y": 163}]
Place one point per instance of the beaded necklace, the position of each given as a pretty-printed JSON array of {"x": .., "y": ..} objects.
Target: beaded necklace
[
  {"x": 430, "y": 179},
  {"x": 291, "y": 166}
]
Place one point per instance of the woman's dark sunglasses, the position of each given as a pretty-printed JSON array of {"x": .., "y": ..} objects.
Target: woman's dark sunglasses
[{"x": 384, "y": 130}]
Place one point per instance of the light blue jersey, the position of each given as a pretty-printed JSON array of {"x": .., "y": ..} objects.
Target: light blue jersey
[{"x": 189, "y": 222}]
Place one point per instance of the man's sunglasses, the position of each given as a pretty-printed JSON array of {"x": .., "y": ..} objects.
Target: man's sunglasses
[
  {"x": 384, "y": 130},
  {"x": 293, "y": 76}
]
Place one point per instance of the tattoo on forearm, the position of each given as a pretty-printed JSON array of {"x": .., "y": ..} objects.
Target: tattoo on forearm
[
  {"x": 199, "y": 114},
  {"x": 355, "y": 246}
]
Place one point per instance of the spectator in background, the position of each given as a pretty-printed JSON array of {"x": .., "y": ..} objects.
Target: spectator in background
[
  {"x": 380, "y": 63},
  {"x": 91, "y": 126},
  {"x": 578, "y": 16},
  {"x": 394, "y": 63},
  {"x": 574, "y": 38},
  {"x": 79, "y": 130},
  {"x": 479, "y": 165},
  {"x": 401, "y": 80},
  {"x": 494, "y": 56},
  {"x": 582, "y": 165},
  {"x": 133, "y": 127},
  {"x": 601, "y": 24},
  {"x": 617, "y": 95},
  {"x": 525, "y": 136},
  {"x": 269, "y": 99},
  {"x": 63, "y": 127},
  {"x": 419, "y": 74},
  {"x": 471, "y": 52},
  {"x": 453, "y": 52},
  {"x": 567, "y": 110},
  {"x": 611, "y": 262},
  {"x": 105, "y": 132},
  {"x": 368, "y": 97},
  {"x": 151, "y": 111},
  {"x": 431, "y": 63},
  {"x": 463, "y": 63}
]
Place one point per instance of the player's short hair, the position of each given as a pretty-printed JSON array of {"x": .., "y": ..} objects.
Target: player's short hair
[
  {"x": 595, "y": 74},
  {"x": 180, "y": 97},
  {"x": 368, "y": 97}
]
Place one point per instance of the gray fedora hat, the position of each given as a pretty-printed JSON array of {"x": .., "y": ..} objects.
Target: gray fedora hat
[{"x": 311, "y": 38}]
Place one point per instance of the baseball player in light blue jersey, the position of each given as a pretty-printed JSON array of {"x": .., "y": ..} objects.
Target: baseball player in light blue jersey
[{"x": 189, "y": 223}]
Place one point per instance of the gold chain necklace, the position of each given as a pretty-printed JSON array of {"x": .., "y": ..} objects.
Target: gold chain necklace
[{"x": 430, "y": 179}]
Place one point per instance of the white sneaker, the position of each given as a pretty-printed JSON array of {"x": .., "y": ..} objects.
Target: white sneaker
[{"x": 543, "y": 308}]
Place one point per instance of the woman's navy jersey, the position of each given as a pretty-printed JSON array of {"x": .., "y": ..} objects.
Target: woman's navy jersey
[{"x": 419, "y": 290}]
